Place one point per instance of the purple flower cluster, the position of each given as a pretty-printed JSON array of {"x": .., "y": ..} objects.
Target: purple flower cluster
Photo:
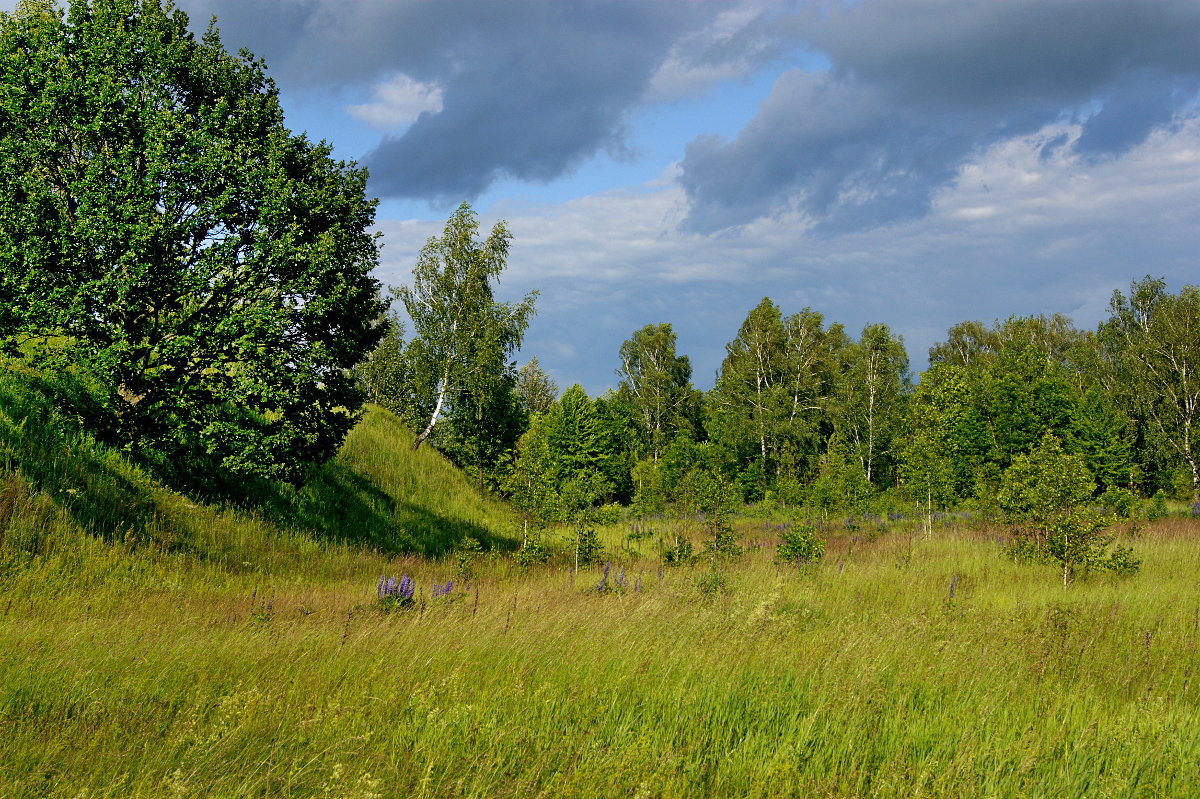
[
  {"x": 604, "y": 580},
  {"x": 442, "y": 590},
  {"x": 402, "y": 591}
]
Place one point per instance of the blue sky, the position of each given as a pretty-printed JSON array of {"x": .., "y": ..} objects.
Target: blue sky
[{"x": 911, "y": 162}]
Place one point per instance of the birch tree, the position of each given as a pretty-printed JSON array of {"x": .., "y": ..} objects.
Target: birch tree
[
  {"x": 1154, "y": 338},
  {"x": 462, "y": 335},
  {"x": 657, "y": 383}
]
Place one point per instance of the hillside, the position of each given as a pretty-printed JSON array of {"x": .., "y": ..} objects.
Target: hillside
[{"x": 61, "y": 490}]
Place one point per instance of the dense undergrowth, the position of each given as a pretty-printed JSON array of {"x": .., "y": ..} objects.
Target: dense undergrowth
[{"x": 155, "y": 645}]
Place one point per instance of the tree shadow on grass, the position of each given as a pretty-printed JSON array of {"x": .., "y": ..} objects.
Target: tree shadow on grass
[
  {"x": 84, "y": 479},
  {"x": 339, "y": 504}
]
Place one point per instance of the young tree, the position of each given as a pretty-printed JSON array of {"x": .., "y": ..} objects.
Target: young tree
[
  {"x": 383, "y": 374},
  {"x": 1043, "y": 494},
  {"x": 463, "y": 336},
  {"x": 166, "y": 234}
]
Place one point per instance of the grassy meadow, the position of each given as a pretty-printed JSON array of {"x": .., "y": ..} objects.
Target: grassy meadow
[{"x": 155, "y": 646}]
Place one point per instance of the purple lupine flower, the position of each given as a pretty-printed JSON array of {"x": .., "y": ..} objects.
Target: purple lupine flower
[
  {"x": 406, "y": 589},
  {"x": 442, "y": 590},
  {"x": 621, "y": 577}
]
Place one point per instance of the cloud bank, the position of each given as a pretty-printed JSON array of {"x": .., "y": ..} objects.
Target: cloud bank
[{"x": 918, "y": 87}]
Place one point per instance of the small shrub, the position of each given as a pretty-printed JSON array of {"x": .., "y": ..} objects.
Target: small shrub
[
  {"x": 587, "y": 546},
  {"x": 533, "y": 551},
  {"x": 723, "y": 544},
  {"x": 711, "y": 583},
  {"x": 607, "y": 514},
  {"x": 1121, "y": 501},
  {"x": 465, "y": 556},
  {"x": 799, "y": 546},
  {"x": 1157, "y": 507},
  {"x": 1122, "y": 563},
  {"x": 680, "y": 554}
]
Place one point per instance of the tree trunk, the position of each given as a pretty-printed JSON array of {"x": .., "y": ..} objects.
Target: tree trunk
[{"x": 437, "y": 410}]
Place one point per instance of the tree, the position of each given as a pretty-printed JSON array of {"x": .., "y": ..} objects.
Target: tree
[
  {"x": 1043, "y": 494},
  {"x": 463, "y": 336},
  {"x": 535, "y": 390},
  {"x": 1154, "y": 338},
  {"x": 872, "y": 387},
  {"x": 947, "y": 436},
  {"x": 746, "y": 407},
  {"x": 166, "y": 235},
  {"x": 383, "y": 374},
  {"x": 771, "y": 395},
  {"x": 657, "y": 383}
]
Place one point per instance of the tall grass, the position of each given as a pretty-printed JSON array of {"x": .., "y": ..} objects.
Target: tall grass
[{"x": 858, "y": 678}]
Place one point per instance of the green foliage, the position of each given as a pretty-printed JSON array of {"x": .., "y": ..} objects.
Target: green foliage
[
  {"x": 656, "y": 384},
  {"x": 587, "y": 545},
  {"x": 1120, "y": 501},
  {"x": 1156, "y": 508},
  {"x": 799, "y": 545},
  {"x": 167, "y": 239},
  {"x": 680, "y": 553},
  {"x": 869, "y": 402},
  {"x": 462, "y": 336},
  {"x": 535, "y": 390},
  {"x": 1153, "y": 341},
  {"x": 533, "y": 551},
  {"x": 841, "y": 481},
  {"x": 771, "y": 398},
  {"x": 384, "y": 374},
  {"x": 1043, "y": 494},
  {"x": 466, "y": 559}
]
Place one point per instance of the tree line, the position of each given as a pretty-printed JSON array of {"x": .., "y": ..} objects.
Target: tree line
[{"x": 801, "y": 411}]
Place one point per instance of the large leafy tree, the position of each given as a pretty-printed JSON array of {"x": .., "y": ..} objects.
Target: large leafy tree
[
  {"x": 771, "y": 397},
  {"x": 162, "y": 231},
  {"x": 462, "y": 335}
]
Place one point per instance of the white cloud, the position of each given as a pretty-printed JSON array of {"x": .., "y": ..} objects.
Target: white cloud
[{"x": 398, "y": 103}]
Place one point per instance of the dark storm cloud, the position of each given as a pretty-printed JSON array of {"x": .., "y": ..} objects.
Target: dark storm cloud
[
  {"x": 529, "y": 87},
  {"x": 915, "y": 87}
]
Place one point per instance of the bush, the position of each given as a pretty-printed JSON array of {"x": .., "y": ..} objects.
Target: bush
[
  {"x": 1121, "y": 501},
  {"x": 680, "y": 554},
  {"x": 800, "y": 546}
]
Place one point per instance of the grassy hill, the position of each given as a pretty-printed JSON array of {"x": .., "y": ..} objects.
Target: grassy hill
[{"x": 61, "y": 492}]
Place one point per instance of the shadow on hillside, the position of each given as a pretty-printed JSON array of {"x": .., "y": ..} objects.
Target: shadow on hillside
[
  {"x": 339, "y": 504},
  {"x": 103, "y": 495},
  {"x": 82, "y": 479}
]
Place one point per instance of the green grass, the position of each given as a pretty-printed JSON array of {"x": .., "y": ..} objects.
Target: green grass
[{"x": 154, "y": 646}]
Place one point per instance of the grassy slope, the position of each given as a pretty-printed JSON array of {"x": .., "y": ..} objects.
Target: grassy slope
[{"x": 178, "y": 649}]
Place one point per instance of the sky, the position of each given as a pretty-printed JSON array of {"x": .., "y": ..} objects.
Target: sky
[{"x": 912, "y": 162}]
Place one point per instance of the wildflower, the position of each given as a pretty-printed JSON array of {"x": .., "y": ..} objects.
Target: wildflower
[{"x": 406, "y": 588}]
